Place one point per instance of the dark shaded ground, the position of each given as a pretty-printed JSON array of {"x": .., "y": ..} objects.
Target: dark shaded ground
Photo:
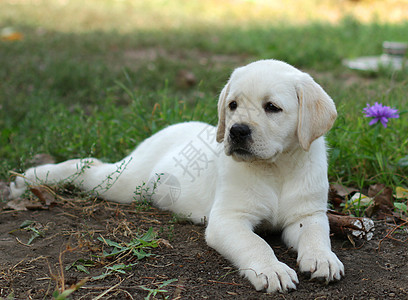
[{"x": 32, "y": 272}]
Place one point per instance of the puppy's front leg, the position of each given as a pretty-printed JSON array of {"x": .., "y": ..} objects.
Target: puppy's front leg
[
  {"x": 310, "y": 237},
  {"x": 233, "y": 237}
]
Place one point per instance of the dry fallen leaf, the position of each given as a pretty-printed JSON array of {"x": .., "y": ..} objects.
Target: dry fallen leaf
[
  {"x": 44, "y": 195},
  {"x": 164, "y": 242},
  {"x": 18, "y": 204},
  {"x": 358, "y": 200},
  {"x": 335, "y": 198},
  {"x": 338, "y": 193},
  {"x": 401, "y": 193},
  {"x": 382, "y": 195},
  {"x": 342, "y": 190},
  {"x": 383, "y": 200}
]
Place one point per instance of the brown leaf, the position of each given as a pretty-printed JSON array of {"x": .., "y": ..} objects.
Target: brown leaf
[
  {"x": 401, "y": 193},
  {"x": 382, "y": 194},
  {"x": 164, "y": 242},
  {"x": 342, "y": 190},
  {"x": 337, "y": 194},
  {"x": 18, "y": 204},
  {"x": 335, "y": 198},
  {"x": 372, "y": 209},
  {"x": 44, "y": 195},
  {"x": 383, "y": 200}
]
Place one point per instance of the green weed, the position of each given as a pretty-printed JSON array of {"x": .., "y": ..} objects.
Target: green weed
[
  {"x": 362, "y": 155},
  {"x": 117, "y": 268},
  {"x": 402, "y": 209},
  {"x": 118, "y": 251},
  {"x": 135, "y": 247},
  {"x": 81, "y": 265},
  {"x": 33, "y": 227},
  {"x": 159, "y": 290}
]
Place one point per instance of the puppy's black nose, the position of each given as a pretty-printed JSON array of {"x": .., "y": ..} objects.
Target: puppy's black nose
[{"x": 239, "y": 133}]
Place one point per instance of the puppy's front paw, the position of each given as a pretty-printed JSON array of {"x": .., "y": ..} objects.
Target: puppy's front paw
[
  {"x": 277, "y": 277},
  {"x": 321, "y": 265}
]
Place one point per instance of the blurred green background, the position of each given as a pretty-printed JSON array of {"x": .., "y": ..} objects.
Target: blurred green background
[{"x": 95, "y": 77}]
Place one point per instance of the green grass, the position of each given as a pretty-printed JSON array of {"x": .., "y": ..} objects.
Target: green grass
[
  {"x": 159, "y": 290},
  {"x": 98, "y": 80}
]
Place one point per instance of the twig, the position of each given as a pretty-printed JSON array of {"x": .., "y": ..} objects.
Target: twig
[
  {"x": 347, "y": 225},
  {"x": 222, "y": 282},
  {"x": 127, "y": 293},
  {"x": 27, "y": 245},
  {"x": 69, "y": 215},
  {"x": 390, "y": 233},
  {"x": 156, "y": 266},
  {"x": 111, "y": 288},
  {"x": 44, "y": 278}
]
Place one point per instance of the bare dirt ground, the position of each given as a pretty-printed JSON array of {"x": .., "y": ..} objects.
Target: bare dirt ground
[{"x": 69, "y": 243}]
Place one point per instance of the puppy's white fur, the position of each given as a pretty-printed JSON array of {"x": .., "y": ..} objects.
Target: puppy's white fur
[{"x": 279, "y": 181}]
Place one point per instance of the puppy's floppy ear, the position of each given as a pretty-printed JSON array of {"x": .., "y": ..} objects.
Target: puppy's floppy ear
[
  {"x": 317, "y": 111},
  {"x": 221, "y": 113}
]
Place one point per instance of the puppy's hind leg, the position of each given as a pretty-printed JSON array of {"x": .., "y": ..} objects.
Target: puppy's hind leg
[{"x": 84, "y": 173}]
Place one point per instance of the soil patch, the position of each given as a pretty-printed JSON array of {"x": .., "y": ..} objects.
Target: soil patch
[{"x": 70, "y": 242}]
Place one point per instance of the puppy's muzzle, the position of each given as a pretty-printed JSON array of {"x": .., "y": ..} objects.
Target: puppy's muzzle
[{"x": 240, "y": 134}]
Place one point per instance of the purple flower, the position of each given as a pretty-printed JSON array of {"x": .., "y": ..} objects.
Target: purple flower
[{"x": 380, "y": 113}]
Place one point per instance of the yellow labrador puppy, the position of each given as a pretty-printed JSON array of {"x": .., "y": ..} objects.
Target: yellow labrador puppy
[{"x": 264, "y": 164}]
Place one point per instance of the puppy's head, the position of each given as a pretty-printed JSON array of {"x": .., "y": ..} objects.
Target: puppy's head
[{"x": 269, "y": 107}]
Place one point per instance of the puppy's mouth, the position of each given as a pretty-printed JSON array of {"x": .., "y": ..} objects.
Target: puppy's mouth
[
  {"x": 243, "y": 154},
  {"x": 240, "y": 153}
]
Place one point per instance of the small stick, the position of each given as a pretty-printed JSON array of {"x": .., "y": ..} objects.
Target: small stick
[
  {"x": 222, "y": 282},
  {"x": 390, "y": 233},
  {"x": 345, "y": 225}
]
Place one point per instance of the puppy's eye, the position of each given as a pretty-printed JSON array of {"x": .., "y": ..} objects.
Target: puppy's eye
[
  {"x": 233, "y": 105},
  {"x": 271, "y": 108}
]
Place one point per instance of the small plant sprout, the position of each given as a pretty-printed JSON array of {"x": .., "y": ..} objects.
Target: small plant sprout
[
  {"x": 81, "y": 265},
  {"x": 111, "y": 179},
  {"x": 34, "y": 228},
  {"x": 119, "y": 251},
  {"x": 380, "y": 113},
  {"x": 159, "y": 290},
  {"x": 135, "y": 247},
  {"x": 145, "y": 192},
  {"x": 117, "y": 268}
]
